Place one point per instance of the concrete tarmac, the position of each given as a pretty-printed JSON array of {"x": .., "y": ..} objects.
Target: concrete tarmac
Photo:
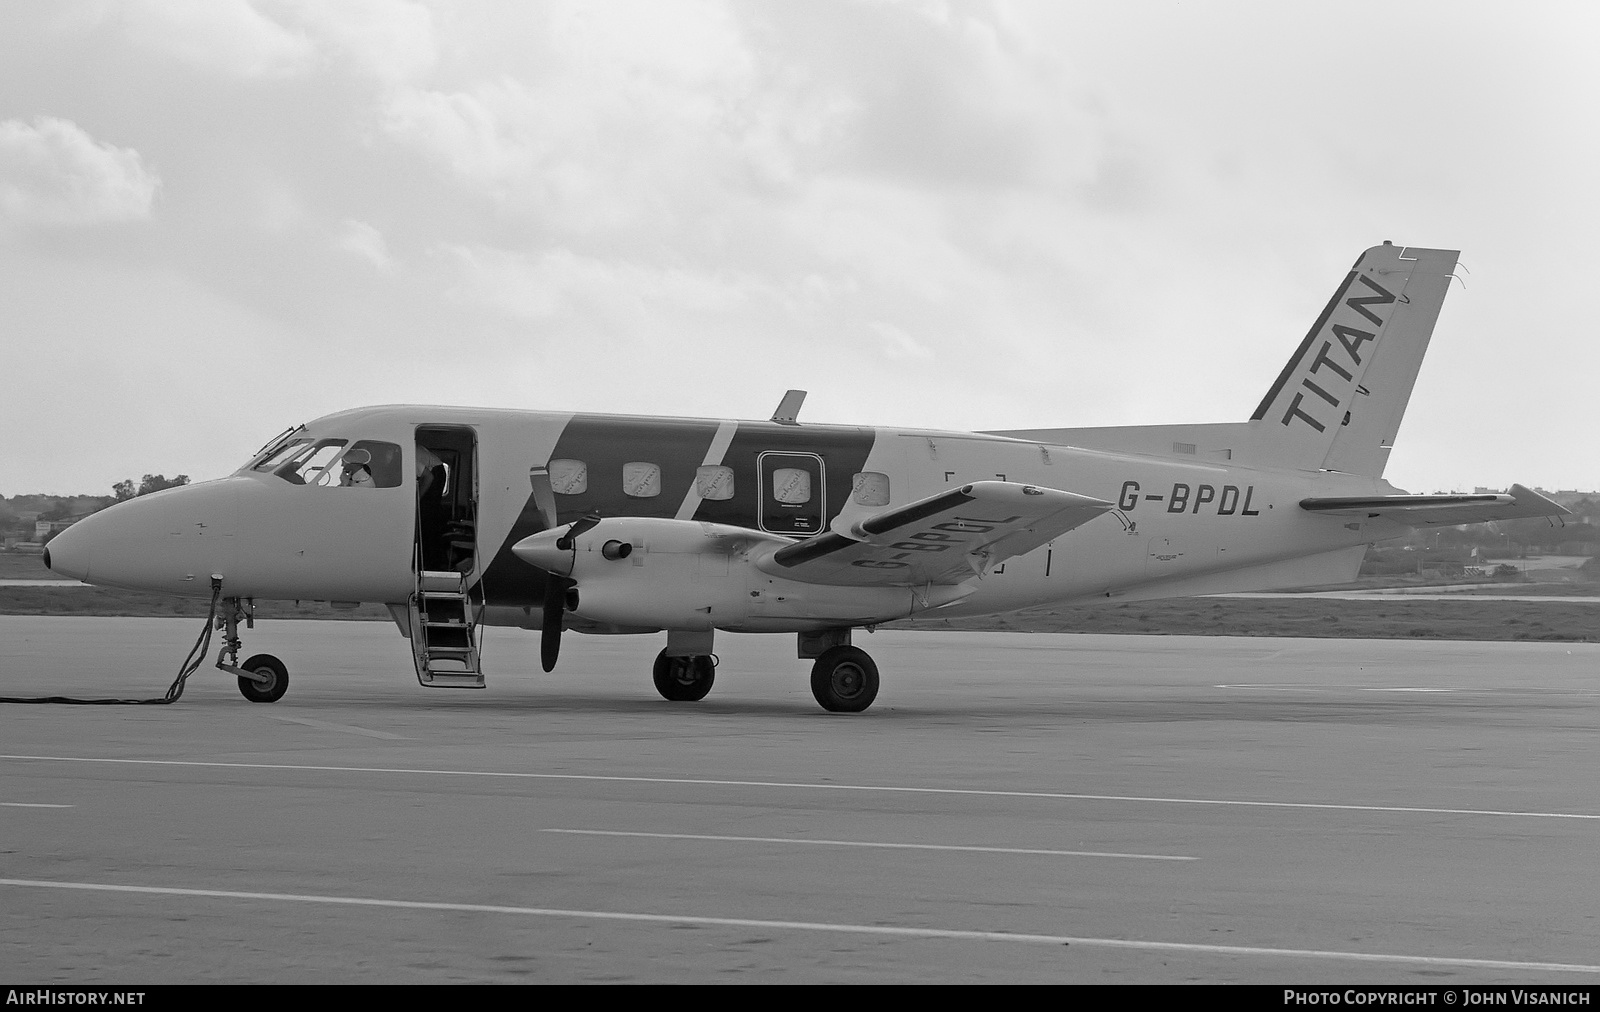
[{"x": 1014, "y": 808}]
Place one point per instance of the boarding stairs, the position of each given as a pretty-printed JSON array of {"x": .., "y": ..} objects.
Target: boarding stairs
[{"x": 444, "y": 632}]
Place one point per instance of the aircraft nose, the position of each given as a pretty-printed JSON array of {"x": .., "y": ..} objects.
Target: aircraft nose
[
  {"x": 169, "y": 541},
  {"x": 68, "y": 553}
]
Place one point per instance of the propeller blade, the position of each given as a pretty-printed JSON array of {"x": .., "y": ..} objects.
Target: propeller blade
[
  {"x": 555, "y": 596},
  {"x": 555, "y": 616},
  {"x": 579, "y": 526}
]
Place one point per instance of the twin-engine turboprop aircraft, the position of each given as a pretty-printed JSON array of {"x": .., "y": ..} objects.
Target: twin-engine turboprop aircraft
[{"x": 458, "y": 517}]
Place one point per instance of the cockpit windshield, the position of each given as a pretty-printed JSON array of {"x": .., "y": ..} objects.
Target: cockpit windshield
[
  {"x": 366, "y": 463},
  {"x": 275, "y": 442}
]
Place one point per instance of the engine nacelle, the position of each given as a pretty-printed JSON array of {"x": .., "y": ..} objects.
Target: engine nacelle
[{"x": 684, "y": 574}]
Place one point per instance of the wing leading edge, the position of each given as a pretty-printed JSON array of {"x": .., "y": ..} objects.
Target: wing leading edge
[
  {"x": 943, "y": 539},
  {"x": 1441, "y": 510}
]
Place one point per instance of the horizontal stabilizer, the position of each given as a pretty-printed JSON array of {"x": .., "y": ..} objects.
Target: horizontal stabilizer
[
  {"x": 943, "y": 539},
  {"x": 1441, "y": 510}
]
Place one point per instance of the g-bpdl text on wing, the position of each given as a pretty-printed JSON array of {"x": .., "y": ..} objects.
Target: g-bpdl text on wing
[{"x": 943, "y": 539}]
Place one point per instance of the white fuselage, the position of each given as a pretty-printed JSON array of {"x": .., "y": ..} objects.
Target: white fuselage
[{"x": 1184, "y": 523}]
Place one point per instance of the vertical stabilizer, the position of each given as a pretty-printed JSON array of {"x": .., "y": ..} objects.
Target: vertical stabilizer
[{"x": 1338, "y": 403}]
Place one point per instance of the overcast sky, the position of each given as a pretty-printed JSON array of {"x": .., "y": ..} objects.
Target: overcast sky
[{"x": 219, "y": 218}]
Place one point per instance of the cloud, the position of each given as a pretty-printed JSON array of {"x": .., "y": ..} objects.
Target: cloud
[
  {"x": 225, "y": 36},
  {"x": 618, "y": 118},
  {"x": 560, "y": 283},
  {"x": 389, "y": 40},
  {"x": 53, "y": 173},
  {"x": 364, "y": 241},
  {"x": 897, "y": 344}
]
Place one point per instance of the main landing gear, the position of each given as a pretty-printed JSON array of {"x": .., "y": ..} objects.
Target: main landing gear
[
  {"x": 262, "y": 678},
  {"x": 844, "y": 680},
  {"x": 684, "y": 679}
]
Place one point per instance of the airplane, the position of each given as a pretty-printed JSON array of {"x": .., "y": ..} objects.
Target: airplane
[{"x": 458, "y": 518}]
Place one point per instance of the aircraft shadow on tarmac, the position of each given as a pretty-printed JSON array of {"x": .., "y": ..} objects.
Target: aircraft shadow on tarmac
[{"x": 1474, "y": 708}]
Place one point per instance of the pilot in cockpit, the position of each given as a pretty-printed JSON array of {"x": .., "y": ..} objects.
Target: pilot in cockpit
[{"x": 357, "y": 469}]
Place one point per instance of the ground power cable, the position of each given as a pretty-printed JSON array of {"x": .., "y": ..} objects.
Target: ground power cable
[{"x": 191, "y": 664}]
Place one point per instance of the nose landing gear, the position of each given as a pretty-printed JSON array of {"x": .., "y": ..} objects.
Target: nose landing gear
[{"x": 262, "y": 678}]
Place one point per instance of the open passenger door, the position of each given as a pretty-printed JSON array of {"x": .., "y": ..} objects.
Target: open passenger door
[{"x": 447, "y": 603}]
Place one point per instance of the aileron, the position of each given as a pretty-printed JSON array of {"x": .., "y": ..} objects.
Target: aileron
[{"x": 1441, "y": 510}]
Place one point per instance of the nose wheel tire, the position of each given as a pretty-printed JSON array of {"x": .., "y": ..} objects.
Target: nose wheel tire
[
  {"x": 264, "y": 692},
  {"x": 684, "y": 679},
  {"x": 844, "y": 680}
]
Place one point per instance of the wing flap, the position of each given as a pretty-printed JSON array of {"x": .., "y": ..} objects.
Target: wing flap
[
  {"x": 1441, "y": 510},
  {"x": 943, "y": 539}
]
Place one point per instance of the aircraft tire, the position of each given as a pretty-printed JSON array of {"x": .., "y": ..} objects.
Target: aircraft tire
[
  {"x": 844, "y": 680},
  {"x": 265, "y": 664},
  {"x": 684, "y": 679}
]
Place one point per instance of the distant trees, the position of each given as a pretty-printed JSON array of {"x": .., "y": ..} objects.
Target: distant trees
[{"x": 149, "y": 483}]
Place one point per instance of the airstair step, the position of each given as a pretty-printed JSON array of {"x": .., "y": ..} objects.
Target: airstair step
[
  {"x": 444, "y": 632},
  {"x": 454, "y": 679},
  {"x": 447, "y": 582}
]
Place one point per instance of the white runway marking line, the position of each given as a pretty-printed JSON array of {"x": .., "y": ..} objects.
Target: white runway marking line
[
  {"x": 25, "y": 804},
  {"x": 789, "y": 785},
  {"x": 953, "y": 934},
  {"x": 326, "y": 726},
  {"x": 1293, "y": 686},
  {"x": 872, "y": 844}
]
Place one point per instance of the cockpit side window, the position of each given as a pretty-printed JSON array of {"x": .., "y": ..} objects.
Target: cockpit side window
[
  {"x": 367, "y": 463},
  {"x": 312, "y": 464},
  {"x": 382, "y": 464}
]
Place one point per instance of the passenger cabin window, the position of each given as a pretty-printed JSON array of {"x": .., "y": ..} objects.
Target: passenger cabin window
[
  {"x": 569, "y": 477},
  {"x": 870, "y": 488},
  {"x": 641, "y": 479},
  {"x": 714, "y": 482},
  {"x": 792, "y": 493},
  {"x": 367, "y": 463},
  {"x": 791, "y": 486}
]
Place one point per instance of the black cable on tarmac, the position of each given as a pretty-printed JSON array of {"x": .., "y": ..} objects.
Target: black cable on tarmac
[{"x": 191, "y": 663}]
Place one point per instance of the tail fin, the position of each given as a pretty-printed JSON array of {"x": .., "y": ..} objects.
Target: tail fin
[{"x": 1339, "y": 401}]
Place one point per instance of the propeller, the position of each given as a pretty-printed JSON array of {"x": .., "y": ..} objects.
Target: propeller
[
  {"x": 556, "y": 590},
  {"x": 555, "y": 614},
  {"x": 578, "y": 527}
]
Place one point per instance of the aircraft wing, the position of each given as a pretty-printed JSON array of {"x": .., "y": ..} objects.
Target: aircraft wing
[
  {"x": 943, "y": 539},
  {"x": 1441, "y": 510}
]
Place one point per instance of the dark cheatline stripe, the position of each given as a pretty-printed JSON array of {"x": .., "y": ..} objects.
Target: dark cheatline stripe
[
  {"x": 678, "y": 445},
  {"x": 604, "y": 443},
  {"x": 843, "y": 450},
  {"x": 1305, "y": 346},
  {"x": 911, "y": 514},
  {"x": 813, "y": 548}
]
